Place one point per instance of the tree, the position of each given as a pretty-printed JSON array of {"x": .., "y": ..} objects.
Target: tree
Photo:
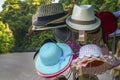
[{"x": 6, "y": 38}]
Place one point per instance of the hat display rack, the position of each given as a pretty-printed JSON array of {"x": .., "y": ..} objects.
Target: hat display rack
[{"x": 77, "y": 47}]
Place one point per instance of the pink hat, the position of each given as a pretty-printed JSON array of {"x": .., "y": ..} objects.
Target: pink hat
[{"x": 92, "y": 60}]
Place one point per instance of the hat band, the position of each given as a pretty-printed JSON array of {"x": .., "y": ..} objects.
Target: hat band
[
  {"x": 52, "y": 17},
  {"x": 83, "y": 22}
]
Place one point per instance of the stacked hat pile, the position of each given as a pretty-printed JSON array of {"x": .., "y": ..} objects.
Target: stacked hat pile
[{"x": 54, "y": 58}]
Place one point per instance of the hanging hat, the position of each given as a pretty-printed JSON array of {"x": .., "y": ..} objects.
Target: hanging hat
[
  {"x": 108, "y": 22},
  {"x": 92, "y": 60},
  {"x": 53, "y": 59},
  {"x": 117, "y": 14},
  {"x": 49, "y": 15},
  {"x": 116, "y": 33},
  {"x": 83, "y": 18},
  {"x": 63, "y": 34}
]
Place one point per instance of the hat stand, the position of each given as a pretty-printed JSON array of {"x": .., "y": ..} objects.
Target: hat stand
[
  {"x": 86, "y": 76},
  {"x": 113, "y": 49}
]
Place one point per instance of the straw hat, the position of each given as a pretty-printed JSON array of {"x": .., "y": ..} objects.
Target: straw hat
[
  {"x": 50, "y": 14},
  {"x": 92, "y": 60},
  {"x": 53, "y": 59},
  {"x": 83, "y": 18}
]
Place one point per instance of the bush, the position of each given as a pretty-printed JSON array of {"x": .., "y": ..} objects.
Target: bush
[{"x": 6, "y": 38}]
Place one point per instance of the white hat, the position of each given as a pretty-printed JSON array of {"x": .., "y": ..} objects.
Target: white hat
[{"x": 83, "y": 18}]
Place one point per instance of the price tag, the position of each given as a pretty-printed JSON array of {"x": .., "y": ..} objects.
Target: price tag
[{"x": 82, "y": 37}]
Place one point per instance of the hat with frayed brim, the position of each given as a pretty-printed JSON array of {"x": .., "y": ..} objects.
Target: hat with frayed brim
[
  {"x": 83, "y": 18},
  {"x": 94, "y": 60},
  {"x": 53, "y": 59}
]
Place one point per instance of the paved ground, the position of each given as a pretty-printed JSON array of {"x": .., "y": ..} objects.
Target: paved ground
[{"x": 20, "y": 66}]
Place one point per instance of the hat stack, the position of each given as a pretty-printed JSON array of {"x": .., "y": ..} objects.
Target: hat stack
[{"x": 50, "y": 16}]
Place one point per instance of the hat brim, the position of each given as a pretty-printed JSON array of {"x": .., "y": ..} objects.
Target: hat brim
[
  {"x": 57, "y": 67},
  {"x": 37, "y": 28},
  {"x": 83, "y": 27},
  {"x": 96, "y": 65},
  {"x": 116, "y": 33},
  {"x": 58, "y": 73},
  {"x": 45, "y": 22}
]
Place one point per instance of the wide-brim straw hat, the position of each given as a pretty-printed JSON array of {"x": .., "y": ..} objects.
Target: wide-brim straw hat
[
  {"x": 83, "y": 18},
  {"x": 53, "y": 59},
  {"x": 93, "y": 60},
  {"x": 50, "y": 14}
]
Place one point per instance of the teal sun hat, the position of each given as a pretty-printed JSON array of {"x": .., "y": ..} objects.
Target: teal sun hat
[{"x": 53, "y": 58}]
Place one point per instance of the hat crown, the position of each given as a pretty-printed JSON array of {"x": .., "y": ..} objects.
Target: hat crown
[
  {"x": 90, "y": 50},
  {"x": 50, "y": 54},
  {"x": 83, "y": 13},
  {"x": 50, "y": 9}
]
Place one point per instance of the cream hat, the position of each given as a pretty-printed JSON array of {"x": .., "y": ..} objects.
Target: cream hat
[{"x": 83, "y": 18}]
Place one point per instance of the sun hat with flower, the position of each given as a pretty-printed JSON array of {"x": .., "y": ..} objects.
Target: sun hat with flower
[
  {"x": 53, "y": 59},
  {"x": 83, "y": 18},
  {"x": 94, "y": 60}
]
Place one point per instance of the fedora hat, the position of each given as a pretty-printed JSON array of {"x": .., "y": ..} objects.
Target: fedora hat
[
  {"x": 94, "y": 60},
  {"x": 53, "y": 59},
  {"x": 49, "y": 14},
  {"x": 83, "y": 18},
  {"x": 108, "y": 23}
]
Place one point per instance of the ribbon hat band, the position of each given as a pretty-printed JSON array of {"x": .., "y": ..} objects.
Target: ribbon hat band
[{"x": 83, "y": 22}]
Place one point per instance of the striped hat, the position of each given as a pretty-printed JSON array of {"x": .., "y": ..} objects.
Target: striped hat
[{"x": 48, "y": 14}]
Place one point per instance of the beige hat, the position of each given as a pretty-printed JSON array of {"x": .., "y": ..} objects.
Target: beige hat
[
  {"x": 50, "y": 16},
  {"x": 83, "y": 18}
]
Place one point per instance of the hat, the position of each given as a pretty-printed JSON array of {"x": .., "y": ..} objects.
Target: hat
[
  {"x": 108, "y": 22},
  {"x": 116, "y": 14},
  {"x": 92, "y": 60},
  {"x": 62, "y": 34},
  {"x": 50, "y": 13},
  {"x": 83, "y": 18},
  {"x": 53, "y": 59},
  {"x": 115, "y": 33}
]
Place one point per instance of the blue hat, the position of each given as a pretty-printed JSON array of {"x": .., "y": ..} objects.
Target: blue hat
[{"x": 53, "y": 57}]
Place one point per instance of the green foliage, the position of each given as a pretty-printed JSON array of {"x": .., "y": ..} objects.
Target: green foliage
[
  {"x": 6, "y": 38},
  {"x": 18, "y": 14},
  {"x": 100, "y": 5},
  {"x": 37, "y": 39}
]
